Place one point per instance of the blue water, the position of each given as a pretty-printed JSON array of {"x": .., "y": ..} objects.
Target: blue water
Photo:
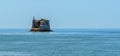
[{"x": 61, "y": 42}]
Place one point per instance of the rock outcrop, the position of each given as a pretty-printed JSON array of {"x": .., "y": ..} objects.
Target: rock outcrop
[{"x": 42, "y": 25}]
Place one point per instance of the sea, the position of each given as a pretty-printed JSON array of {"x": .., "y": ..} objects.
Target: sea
[{"x": 60, "y": 42}]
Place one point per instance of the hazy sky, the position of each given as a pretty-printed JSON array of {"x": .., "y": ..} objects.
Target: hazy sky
[{"x": 62, "y": 13}]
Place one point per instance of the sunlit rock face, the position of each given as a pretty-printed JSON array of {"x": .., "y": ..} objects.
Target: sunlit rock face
[{"x": 40, "y": 25}]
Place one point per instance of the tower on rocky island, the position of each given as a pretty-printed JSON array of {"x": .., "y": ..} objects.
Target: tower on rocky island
[{"x": 42, "y": 25}]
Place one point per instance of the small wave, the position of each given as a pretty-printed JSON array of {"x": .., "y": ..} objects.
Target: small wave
[{"x": 10, "y": 53}]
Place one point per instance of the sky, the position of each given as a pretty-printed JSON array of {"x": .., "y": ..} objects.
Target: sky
[{"x": 61, "y": 13}]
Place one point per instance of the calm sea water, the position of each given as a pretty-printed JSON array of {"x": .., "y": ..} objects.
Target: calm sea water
[{"x": 61, "y": 42}]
